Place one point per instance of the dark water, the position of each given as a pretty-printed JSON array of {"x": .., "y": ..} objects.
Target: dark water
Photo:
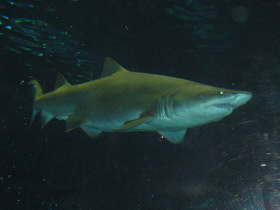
[{"x": 232, "y": 164}]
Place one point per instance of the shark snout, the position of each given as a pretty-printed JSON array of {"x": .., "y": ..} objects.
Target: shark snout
[
  {"x": 242, "y": 98},
  {"x": 230, "y": 101}
]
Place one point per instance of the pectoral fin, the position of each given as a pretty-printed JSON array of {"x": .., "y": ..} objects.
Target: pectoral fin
[
  {"x": 133, "y": 123},
  {"x": 175, "y": 137}
]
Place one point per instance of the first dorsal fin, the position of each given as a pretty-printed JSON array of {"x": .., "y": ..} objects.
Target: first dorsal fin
[
  {"x": 61, "y": 81},
  {"x": 111, "y": 67}
]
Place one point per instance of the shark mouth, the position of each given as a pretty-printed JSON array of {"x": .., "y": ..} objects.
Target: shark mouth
[{"x": 224, "y": 106}]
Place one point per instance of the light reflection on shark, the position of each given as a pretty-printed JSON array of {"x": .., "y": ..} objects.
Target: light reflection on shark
[{"x": 127, "y": 101}]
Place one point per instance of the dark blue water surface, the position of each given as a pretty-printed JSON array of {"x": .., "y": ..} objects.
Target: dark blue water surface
[{"x": 232, "y": 164}]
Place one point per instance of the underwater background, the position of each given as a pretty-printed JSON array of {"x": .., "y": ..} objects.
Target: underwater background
[{"x": 232, "y": 164}]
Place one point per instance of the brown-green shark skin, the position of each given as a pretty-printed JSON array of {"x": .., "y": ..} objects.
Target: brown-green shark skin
[{"x": 126, "y": 101}]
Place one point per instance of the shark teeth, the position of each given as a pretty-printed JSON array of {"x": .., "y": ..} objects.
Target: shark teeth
[{"x": 224, "y": 106}]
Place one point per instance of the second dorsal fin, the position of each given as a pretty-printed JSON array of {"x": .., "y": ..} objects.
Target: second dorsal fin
[
  {"x": 61, "y": 81},
  {"x": 111, "y": 67}
]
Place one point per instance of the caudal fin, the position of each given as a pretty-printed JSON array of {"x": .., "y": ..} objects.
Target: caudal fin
[
  {"x": 37, "y": 91},
  {"x": 45, "y": 115}
]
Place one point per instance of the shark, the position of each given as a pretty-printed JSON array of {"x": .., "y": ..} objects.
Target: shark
[{"x": 126, "y": 101}]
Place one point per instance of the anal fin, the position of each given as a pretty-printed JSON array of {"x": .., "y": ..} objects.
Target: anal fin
[
  {"x": 72, "y": 122},
  {"x": 34, "y": 113},
  {"x": 45, "y": 118}
]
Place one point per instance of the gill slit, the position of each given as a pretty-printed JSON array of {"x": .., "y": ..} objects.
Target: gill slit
[{"x": 166, "y": 106}]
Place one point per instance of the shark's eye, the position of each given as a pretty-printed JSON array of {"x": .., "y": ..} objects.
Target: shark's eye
[{"x": 221, "y": 92}]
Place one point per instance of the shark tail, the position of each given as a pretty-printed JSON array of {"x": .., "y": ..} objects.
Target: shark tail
[
  {"x": 37, "y": 91},
  {"x": 45, "y": 115}
]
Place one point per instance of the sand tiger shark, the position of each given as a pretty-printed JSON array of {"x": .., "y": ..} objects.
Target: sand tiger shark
[{"x": 126, "y": 101}]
